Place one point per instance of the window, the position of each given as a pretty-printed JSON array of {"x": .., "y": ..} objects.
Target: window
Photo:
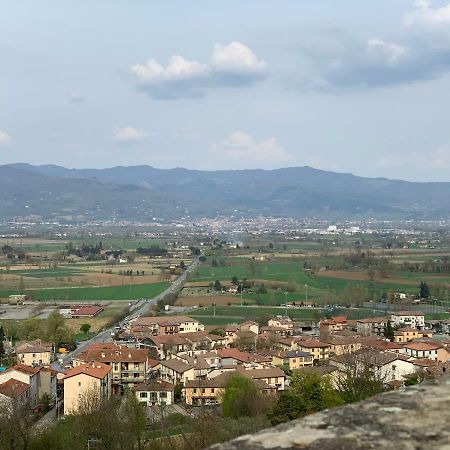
[
  {"x": 212, "y": 391},
  {"x": 143, "y": 395},
  {"x": 136, "y": 365},
  {"x": 79, "y": 383},
  {"x": 163, "y": 394},
  {"x": 195, "y": 391}
]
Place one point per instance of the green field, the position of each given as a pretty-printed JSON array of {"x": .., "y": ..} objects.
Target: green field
[
  {"x": 127, "y": 292},
  {"x": 48, "y": 273},
  {"x": 230, "y": 314}
]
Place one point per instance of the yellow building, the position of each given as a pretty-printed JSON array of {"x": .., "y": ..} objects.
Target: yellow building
[
  {"x": 93, "y": 379},
  {"x": 292, "y": 359},
  {"x": 407, "y": 334},
  {"x": 35, "y": 353},
  {"x": 319, "y": 350}
]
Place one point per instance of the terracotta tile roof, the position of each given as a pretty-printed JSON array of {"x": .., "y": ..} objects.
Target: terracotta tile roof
[
  {"x": 153, "y": 362},
  {"x": 407, "y": 313},
  {"x": 13, "y": 388},
  {"x": 312, "y": 343},
  {"x": 176, "y": 365},
  {"x": 24, "y": 369},
  {"x": 269, "y": 372},
  {"x": 318, "y": 370},
  {"x": 372, "y": 320},
  {"x": 88, "y": 311},
  {"x": 112, "y": 353},
  {"x": 422, "y": 346},
  {"x": 94, "y": 369},
  {"x": 149, "y": 320}
]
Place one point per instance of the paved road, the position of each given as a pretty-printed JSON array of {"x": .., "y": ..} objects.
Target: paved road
[{"x": 142, "y": 308}]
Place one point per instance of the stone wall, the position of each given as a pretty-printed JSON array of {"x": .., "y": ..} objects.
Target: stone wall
[{"x": 413, "y": 418}]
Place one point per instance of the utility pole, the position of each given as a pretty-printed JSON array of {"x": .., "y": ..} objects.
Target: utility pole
[
  {"x": 241, "y": 292},
  {"x": 306, "y": 292},
  {"x": 285, "y": 303},
  {"x": 214, "y": 306}
]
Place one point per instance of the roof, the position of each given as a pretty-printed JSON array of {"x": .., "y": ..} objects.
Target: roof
[
  {"x": 292, "y": 354},
  {"x": 407, "y": 330},
  {"x": 176, "y": 365},
  {"x": 370, "y": 356},
  {"x": 383, "y": 345},
  {"x": 145, "y": 320},
  {"x": 88, "y": 311},
  {"x": 109, "y": 352},
  {"x": 372, "y": 320},
  {"x": 240, "y": 356},
  {"x": 153, "y": 362},
  {"x": 93, "y": 369},
  {"x": 13, "y": 388},
  {"x": 221, "y": 380},
  {"x": 28, "y": 370},
  {"x": 422, "y": 346},
  {"x": 312, "y": 343},
  {"x": 269, "y": 372},
  {"x": 34, "y": 349},
  {"x": 154, "y": 385}
]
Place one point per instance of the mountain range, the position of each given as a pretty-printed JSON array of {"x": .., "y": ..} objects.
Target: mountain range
[{"x": 144, "y": 193}]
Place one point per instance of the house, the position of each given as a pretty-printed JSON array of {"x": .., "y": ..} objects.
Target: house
[
  {"x": 235, "y": 357},
  {"x": 272, "y": 376},
  {"x": 249, "y": 326},
  {"x": 210, "y": 392},
  {"x": 86, "y": 381},
  {"x": 411, "y": 319},
  {"x": 155, "y": 393},
  {"x": 163, "y": 325},
  {"x": 129, "y": 365},
  {"x": 86, "y": 311},
  {"x": 406, "y": 334},
  {"x": 13, "y": 394},
  {"x": 175, "y": 371},
  {"x": 386, "y": 366},
  {"x": 292, "y": 359},
  {"x": 25, "y": 374},
  {"x": 286, "y": 343},
  {"x": 373, "y": 326},
  {"x": 318, "y": 349},
  {"x": 167, "y": 345},
  {"x": 282, "y": 322},
  {"x": 230, "y": 333},
  {"x": 35, "y": 353},
  {"x": 429, "y": 350},
  {"x": 337, "y": 323},
  {"x": 340, "y": 345}
]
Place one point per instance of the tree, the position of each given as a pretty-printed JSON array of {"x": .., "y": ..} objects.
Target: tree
[
  {"x": 361, "y": 375},
  {"x": 424, "y": 290},
  {"x": 217, "y": 285},
  {"x": 307, "y": 393},
  {"x": 21, "y": 285},
  {"x": 85, "y": 328},
  {"x": 178, "y": 391},
  {"x": 240, "y": 397},
  {"x": 389, "y": 331}
]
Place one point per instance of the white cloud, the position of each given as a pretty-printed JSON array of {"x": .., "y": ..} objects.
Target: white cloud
[
  {"x": 382, "y": 51},
  {"x": 234, "y": 64},
  {"x": 424, "y": 15},
  {"x": 242, "y": 149},
  {"x": 129, "y": 134},
  {"x": 189, "y": 134},
  {"x": 5, "y": 138},
  {"x": 237, "y": 60}
]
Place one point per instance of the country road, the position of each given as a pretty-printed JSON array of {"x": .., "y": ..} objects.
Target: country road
[{"x": 142, "y": 309}]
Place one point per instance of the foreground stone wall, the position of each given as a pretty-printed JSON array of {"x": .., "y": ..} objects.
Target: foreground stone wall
[{"x": 416, "y": 418}]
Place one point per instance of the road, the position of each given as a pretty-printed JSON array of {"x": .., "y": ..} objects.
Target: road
[{"x": 142, "y": 308}]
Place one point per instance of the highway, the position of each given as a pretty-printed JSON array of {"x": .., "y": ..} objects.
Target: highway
[{"x": 140, "y": 309}]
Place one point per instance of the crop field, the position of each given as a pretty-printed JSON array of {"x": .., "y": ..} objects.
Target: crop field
[{"x": 126, "y": 292}]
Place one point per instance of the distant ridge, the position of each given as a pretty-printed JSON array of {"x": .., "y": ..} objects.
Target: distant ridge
[{"x": 143, "y": 192}]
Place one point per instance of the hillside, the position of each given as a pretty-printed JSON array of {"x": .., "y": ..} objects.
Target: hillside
[{"x": 143, "y": 192}]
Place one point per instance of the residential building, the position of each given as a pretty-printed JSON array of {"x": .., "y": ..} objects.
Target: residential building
[
  {"x": 282, "y": 322},
  {"x": 411, "y": 319},
  {"x": 13, "y": 394},
  {"x": 249, "y": 326},
  {"x": 318, "y": 349},
  {"x": 26, "y": 374},
  {"x": 272, "y": 376},
  {"x": 292, "y": 359},
  {"x": 429, "y": 350},
  {"x": 163, "y": 325},
  {"x": 406, "y": 334},
  {"x": 91, "y": 381},
  {"x": 373, "y": 326},
  {"x": 337, "y": 323},
  {"x": 155, "y": 393},
  {"x": 176, "y": 371},
  {"x": 35, "y": 353},
  {"x": 129, "y": 365}
]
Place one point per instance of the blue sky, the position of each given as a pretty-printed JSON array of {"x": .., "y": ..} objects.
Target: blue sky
[{"x": 349, "y": 86}]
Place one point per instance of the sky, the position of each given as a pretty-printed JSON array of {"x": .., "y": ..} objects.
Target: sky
[{"x": 349, "y": 86}]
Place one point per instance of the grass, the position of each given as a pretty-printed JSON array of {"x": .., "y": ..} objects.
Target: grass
[
  {"x": 47, "y": 273},
  {"x": 234, "y": 313},
  {"x": 124, "y": 292}
]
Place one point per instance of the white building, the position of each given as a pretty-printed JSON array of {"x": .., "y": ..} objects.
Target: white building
[{"x": 412, "y": 319}]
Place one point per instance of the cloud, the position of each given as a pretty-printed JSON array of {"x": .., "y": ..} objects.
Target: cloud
[
  {"x": 435, "y": 160},
  {"x": 237, "y": 64},
  {"x": 243, "y": 150},
  {"x": 129, "y": 134},
  {"x": 420, "y": 50},
  {"x": 234, "y": 64},
  {"x": 5, "y": 138}
]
